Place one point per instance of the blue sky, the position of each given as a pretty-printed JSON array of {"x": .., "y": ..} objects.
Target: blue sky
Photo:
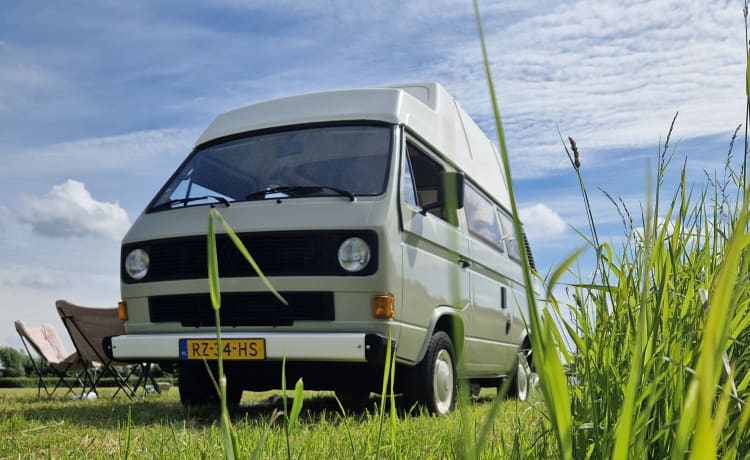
[{"x": 100, "y": 101}]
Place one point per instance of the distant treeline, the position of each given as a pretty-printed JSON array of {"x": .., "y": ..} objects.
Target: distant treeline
[{"x": 17, "y": 364}]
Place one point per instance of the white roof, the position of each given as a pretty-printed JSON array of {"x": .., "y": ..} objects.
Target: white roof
[{"x": 426, "y": 109}]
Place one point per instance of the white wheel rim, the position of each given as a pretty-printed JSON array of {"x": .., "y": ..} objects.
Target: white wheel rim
[
  {"x": 522, "y": 378},
  {"x": 442, "y": 382}
]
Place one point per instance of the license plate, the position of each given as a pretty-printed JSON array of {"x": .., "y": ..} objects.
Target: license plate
[{"x": 232, "y": 349}]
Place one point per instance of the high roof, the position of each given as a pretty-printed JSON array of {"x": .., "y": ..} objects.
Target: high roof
[{"x": 426, "y": 109}]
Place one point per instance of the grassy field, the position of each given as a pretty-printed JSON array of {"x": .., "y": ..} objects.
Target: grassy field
[{"x": 159, "y": 427}]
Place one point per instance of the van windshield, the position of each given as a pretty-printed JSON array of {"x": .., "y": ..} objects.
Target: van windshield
[{"x": 342, "y": 161}]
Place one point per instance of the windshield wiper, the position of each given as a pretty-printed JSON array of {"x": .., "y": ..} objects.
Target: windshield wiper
[
  {"x": 299, "y": 190},
  {"x": 186, "y": 200}
]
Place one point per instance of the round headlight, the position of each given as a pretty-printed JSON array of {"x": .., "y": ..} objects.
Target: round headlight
[
  {"x": 136, "y": 264},
  {"x": 354, "y": 254}
]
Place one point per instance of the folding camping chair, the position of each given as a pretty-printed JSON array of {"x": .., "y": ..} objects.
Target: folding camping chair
[
  {"x": 87, "y": 328},
  {"x": 46, "y": 343}
]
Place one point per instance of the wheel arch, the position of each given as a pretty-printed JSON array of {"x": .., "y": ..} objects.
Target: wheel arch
[
  {"x": 448, "y": 320},
  {"x": 526, "y": 346},
  {"x": 525, "y": 342}
]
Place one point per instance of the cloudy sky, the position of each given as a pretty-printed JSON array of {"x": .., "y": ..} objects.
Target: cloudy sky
[{"x": 100, "y": 101}]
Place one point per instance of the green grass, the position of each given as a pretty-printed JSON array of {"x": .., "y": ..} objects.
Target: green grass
[
  {"x": 161, "y": 428},
  {"x": 661, "y": 327}
]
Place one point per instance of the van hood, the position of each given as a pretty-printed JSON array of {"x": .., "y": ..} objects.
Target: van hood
[{"x": 258, "y": 216}]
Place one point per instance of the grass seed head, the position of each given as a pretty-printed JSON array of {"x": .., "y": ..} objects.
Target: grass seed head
[{"x": 576, "y": 156}]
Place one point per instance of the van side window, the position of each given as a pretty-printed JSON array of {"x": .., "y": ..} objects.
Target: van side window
[
  {"x": 426, "y": 172},
  {"x": 509, "y": 235},
  {"x": 407, "y": 183},
  {"x": 481, "y": 217}
]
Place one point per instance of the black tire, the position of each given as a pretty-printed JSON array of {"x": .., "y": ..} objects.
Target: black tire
[
  {"x": 197, "y": 389},
  {"x": 434, "y": 382}
]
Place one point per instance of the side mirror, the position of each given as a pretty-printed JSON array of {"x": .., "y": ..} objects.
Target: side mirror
[{"x": 450, "y": 193}]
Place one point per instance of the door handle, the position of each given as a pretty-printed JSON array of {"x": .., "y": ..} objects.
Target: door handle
[{"x": 464, "y": 263}]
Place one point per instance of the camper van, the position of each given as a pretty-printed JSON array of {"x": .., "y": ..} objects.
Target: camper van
[{"x": 380, "y": 215}]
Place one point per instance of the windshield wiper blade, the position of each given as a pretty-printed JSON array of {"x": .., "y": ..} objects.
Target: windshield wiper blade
[
  {"x": 338, "y": 191},
  {"x": 186, "y": 200},
  {"x": 299, "y": 190}
]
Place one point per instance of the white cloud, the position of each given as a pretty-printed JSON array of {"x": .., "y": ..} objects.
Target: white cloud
[
  {"x": 542, "y": 222},
  {"x": 70, "y": 210},
  {"x": 610, "y": 74}
]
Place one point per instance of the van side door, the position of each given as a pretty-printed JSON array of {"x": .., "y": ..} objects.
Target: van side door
[
  {"x": 433, "y": 249},
  {"x": 489, "y": 350}
]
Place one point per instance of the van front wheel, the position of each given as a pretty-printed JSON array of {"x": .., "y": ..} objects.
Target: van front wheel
[
  {"x": 197, "y": 388},
  {"x": 435, "y": 377}
]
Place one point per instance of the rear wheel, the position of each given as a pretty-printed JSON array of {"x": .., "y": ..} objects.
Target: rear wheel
[
  {"x": 521, "y": 383},
  {"x": 434, "y": 383}
]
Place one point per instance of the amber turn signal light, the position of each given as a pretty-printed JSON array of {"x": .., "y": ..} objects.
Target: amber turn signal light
[
  {"x": 382, "y": 306},
  {"x": 122, "y": 310}
]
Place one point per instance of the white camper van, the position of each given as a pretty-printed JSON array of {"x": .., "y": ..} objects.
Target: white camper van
[{"x": 376, "y": 213}]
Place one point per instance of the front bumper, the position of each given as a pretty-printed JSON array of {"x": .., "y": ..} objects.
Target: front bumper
[{"x": 328, "y": 347}]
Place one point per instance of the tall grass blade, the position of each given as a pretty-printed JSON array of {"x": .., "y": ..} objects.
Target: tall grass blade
[
  {"x": 714, "y": 343},
  {"x": 213, "y": 262},
  {"x": 384, "y": 389},
  {"x": 299, "y": 389},
  {"x": 262, "y": 441},
  {"x": 392, "y": 395},
  {"x": 624, "y": 430},
  {"x": 229, "y": 436},
  {"x": 344, "y": 419},
  {"x": 732, "y": 451},
  {"x": 561, "y": 269},
  {"x": 245, "y": 253},
  {"x": 128, "y": 434},
  {"x": 747, "y": 75},
  {"x": 552, "y": 377},
  {"x": 284, "y": 403}
]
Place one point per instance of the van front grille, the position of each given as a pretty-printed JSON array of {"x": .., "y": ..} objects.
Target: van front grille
[
  {"x": 242, "y": 308},
  {"x": 306, "y": 253}
]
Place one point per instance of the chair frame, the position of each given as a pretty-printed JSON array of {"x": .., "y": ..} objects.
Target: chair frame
[
  {"x": 95, "y": 352},
  {"x": 72, "y": 362},
  {"x": 144, "y": 377}
]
